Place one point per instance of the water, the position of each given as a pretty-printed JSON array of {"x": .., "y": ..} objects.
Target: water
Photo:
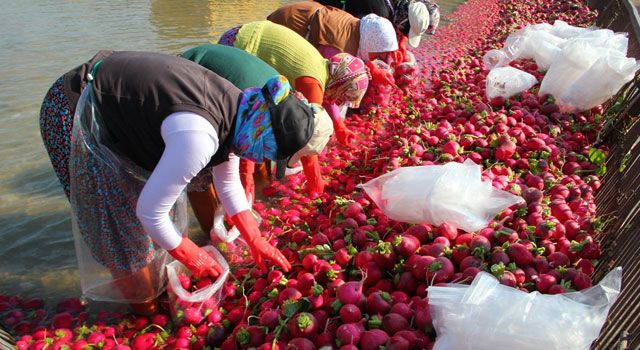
[{"x": 40, "y": 41}]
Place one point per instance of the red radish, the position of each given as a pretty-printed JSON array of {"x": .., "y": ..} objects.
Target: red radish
[
  {"x": 447, "y": 230},
  {"x": 421, "y": 231},
  {"x": 62, "y": 320},
  {"x": 144, "y": 341},
  {"x": 419, "y": 266},
  {"x": 410, "y": 336},
  {"x": 378, "y": 303},
  {"x": 350, "y": 313},
  {"x": 269, "y": 319},
  {"x": 470, "y": 273},
  {"x": 544, "y": 282},
  {"x": 505, "y": 151},
  {"x": 406, "y": 283},
  {"x": 289, "y": 293},
  {"x": 558, "y": 259},
  {"x": 423, "y": 320},
  {"x": 309, "y": 262},
  {"x": 300, "y": 344},
  {"x": 398, "y": 343},
  {"x": 350, "y": 293},
  {"x": 373, "y": 273},
  {"x": 393, "y": 323},
  {"x": 479, "y": 245},
  {"x": 373, "y": 339},
  {"x": 303, "y": 325},
  {"x": 440, "y": 270},
  {"x": 406, "y": 245},
  {"x": 402, "y": 309},
  {"x": 348, "y": 333},
  {"x": 581, "y": 281},
  {"x": 585, "y": 266},
  {"x": 520, "y": 254},
  {"x": 470, "y": 261}
]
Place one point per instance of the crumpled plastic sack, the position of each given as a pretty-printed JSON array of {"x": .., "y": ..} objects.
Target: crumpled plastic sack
[
  {"x": 564, "y": 30},
  {"x": 530, "y": 42},
  {"x": 488, "y": 315},
  {"x": 574, "y": 59},
  {"x": 508, "y": 81},
  {"x": 228, "y": 242},
  {"x": 452, "y": 193},
  {"x": 609, "y": 73},
  {"x": 185, "y": 305}
]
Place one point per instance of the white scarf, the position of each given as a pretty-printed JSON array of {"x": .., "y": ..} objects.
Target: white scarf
[{"x": 376, "y": 35}]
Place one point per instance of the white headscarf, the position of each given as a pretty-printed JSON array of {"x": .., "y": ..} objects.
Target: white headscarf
[{"x": 376, "y": 35}]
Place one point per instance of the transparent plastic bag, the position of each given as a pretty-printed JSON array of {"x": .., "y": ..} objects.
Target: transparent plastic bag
[
  {"x": 564, "y": 30},
  {"x": 117, "y": 260},
  {"x": 228, "y": 242},
  {"x": 495, "y": 58},
  {"x": 508, "y": 81},
  {"x": 488, "y": 315},
  {"x": 189, "y": 307},
  {"x": 542, "y": 47},
  {"x": 573, "y": 60},
  {"x": 608, "y": 74},
  {"x": 453, "y": 193}
]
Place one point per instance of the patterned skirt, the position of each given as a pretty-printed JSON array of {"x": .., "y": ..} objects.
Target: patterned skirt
[{"x": 103, "y": 204}]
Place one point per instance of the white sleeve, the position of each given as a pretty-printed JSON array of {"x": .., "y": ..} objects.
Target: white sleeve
[
  {"x": 190, "y": 142},
  {"x": 226, "y": 180}
]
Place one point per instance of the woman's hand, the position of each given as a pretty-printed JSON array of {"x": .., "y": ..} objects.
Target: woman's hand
[
  {"x": 260, "y": 249},
  {"x": 194, "y": 258}
]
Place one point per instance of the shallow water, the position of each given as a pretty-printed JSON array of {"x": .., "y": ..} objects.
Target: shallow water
[{"x": 41, "y": 40}]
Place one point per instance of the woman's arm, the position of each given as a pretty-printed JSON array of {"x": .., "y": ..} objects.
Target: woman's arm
[
  {"x": 226, "y": 180},
  {"x": 190, "y": 142}
]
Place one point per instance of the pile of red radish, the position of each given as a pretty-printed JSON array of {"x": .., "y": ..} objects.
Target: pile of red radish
[{"x": 359, "y": 280}]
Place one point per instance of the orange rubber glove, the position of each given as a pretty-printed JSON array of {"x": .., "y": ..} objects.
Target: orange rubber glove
[
  {"x": 260, "y": 248},
  {"x": 343, "y": 134},
  {"x": 247, "y": 168},
  {"x": 311, "y": 167},
  {"x": 196, "y": 259}
]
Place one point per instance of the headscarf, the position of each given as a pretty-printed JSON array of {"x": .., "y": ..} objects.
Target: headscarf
[
  {"x": 348, "y": 80},
  {"x": 401, "y": 17},
  {"x": 253, "y": 137},
  {"x": 376, "y": 35}
]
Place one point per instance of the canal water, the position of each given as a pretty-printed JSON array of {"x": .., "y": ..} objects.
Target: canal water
[{"x": 40, "y": 41}]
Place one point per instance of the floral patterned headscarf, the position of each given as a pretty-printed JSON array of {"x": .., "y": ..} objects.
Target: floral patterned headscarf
[
  {"x": 253, "y": 138},
  {"x": 348, "y": 80}
]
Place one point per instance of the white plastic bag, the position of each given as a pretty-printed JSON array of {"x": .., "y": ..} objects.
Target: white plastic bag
[
  {"x": 541, "y": 46},
  {"x": 495, "y": 58},
  {"x": 608, "y": 74},
  {"x": 508, "y": 81},
  {"x": 228, "y": 242},
  {"x": 453, "y": 193},
  {"x": 573, "y": 60},
  {"x": 488, "y": 315},
  {"x": 185, "y": 305},
  {"x": 564, "y": 30}
]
